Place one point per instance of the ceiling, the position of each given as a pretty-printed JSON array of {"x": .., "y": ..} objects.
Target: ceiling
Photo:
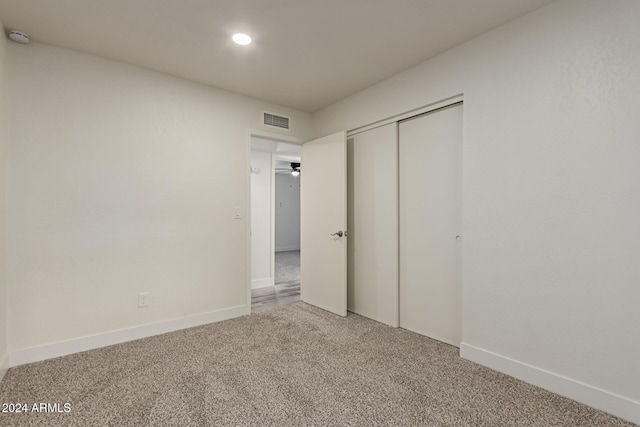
[{"x": 306, "y": 54}]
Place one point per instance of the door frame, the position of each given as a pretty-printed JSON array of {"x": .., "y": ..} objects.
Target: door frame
[{"x": 276, "y": 137}]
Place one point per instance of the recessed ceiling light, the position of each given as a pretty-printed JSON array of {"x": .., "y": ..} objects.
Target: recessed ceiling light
[{"x": 241, "y": 38}]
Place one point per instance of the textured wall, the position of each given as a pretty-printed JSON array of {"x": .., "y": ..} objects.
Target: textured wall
[
  {"x": 261, "y": 256},
  {"x": 122, "y": 180},
  {"x": 551, "y": 184}
]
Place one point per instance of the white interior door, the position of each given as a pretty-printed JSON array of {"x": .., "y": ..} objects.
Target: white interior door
[
  {"x": 372, "y": 286},
  {"x": 430, "y": 176},
  {"x": 323, "y": 220}
]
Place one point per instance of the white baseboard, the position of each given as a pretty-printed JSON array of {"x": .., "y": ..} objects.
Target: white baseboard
[
  {"x": 287, "y": 248},
  {"x": 262, "y": 283},
  {"x": 4, "y": 365},
  {"x": 76, "y": 345},
  {"x": 580, "y": 392}
]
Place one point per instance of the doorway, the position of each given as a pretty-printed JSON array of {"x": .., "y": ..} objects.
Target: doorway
[
  {"x": 287, "y": 170},
  {"x": 275, "y": 222}
]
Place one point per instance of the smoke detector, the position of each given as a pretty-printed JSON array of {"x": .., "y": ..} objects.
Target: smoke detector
[{"x": 19, "y": 36}]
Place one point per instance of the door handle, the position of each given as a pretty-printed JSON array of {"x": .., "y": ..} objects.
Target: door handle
[{"x": 338, "y": 233}]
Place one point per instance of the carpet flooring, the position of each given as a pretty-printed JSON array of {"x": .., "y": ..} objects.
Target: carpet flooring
[{"x": 281, "y": 366}]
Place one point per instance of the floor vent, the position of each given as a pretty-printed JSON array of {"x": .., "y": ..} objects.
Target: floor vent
[{"x": 276, "y": 121}]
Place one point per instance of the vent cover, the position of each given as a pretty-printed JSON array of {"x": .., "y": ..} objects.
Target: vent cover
[{"x": 276, "y": 121}]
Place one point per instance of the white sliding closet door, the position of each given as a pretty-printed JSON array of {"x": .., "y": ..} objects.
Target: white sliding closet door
[
  {"x": 430, "y": 177},
  {"x": 372, "y": 165}
]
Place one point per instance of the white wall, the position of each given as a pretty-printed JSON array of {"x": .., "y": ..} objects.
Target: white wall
[
  {"x": 4, "y": 355},
  {"x": 261, "y": 256},
  {"x": 287, "y": 212},
  {"x": 551, "y": 192},
  {"x": 121, "y": 180}
]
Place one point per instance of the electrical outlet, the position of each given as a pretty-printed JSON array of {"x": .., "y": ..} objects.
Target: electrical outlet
[{"x": 143, "y": 299}]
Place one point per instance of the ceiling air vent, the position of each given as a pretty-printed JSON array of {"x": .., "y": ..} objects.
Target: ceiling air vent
[{"x": 276, "y": 121}]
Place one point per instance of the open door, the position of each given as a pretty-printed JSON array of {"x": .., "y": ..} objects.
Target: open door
[{"x": 323, "y": 218}]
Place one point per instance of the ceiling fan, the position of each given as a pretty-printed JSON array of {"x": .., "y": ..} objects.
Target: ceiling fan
[{"x": 294, "y": 170}]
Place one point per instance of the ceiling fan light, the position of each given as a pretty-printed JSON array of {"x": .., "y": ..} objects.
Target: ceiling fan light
[{"x": 295, "y": 172}]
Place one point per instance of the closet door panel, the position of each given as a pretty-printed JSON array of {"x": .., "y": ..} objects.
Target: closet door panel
[
  {"x": 372, "y": 285},
  {"x": 430, "y": 176}
]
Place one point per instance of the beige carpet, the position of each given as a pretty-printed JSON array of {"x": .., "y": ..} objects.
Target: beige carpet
[{"x": 289, "y": 365}]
